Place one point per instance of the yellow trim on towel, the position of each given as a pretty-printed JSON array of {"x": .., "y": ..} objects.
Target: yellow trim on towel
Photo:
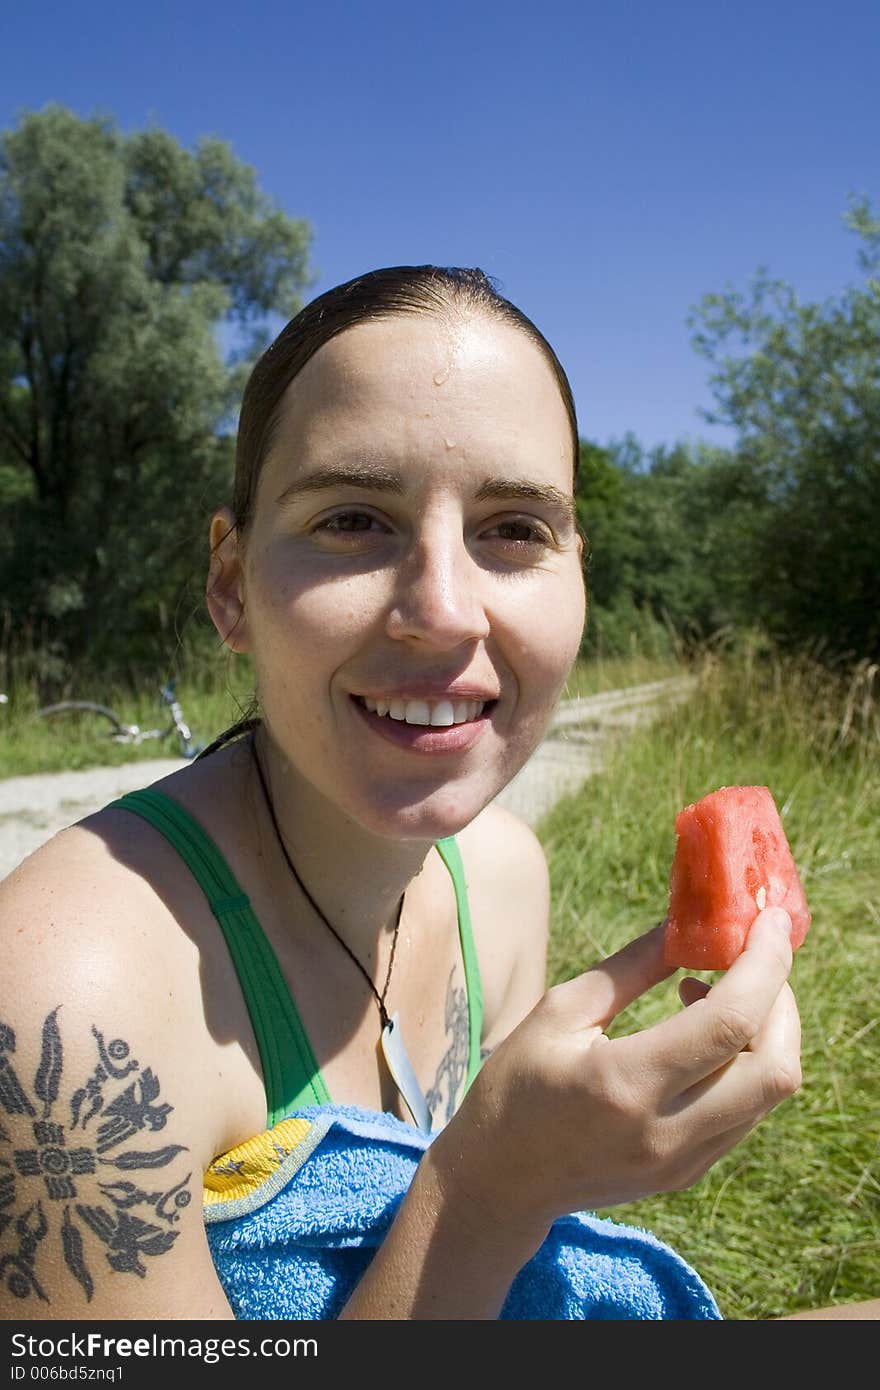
[{"x": 245, "y": 1168}]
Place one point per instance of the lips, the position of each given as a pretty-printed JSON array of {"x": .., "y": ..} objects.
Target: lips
[{"x": 447, "y": 724}]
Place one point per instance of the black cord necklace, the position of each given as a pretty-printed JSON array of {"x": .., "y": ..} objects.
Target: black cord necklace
[{"x": 394, "y": 1051}]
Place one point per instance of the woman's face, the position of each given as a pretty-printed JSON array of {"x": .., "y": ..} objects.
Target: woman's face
[{"x": 412, "y": 588}]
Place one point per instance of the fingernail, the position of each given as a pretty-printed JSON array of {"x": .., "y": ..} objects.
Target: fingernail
[{"x": 780, "y": 919}]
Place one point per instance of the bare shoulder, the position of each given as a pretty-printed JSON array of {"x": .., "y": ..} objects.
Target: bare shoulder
[
  {"x": 509, "y": 897},
  {"x": 75, "y": 914},
  {"x": 102, "y": 1145},
  {"x": 499, "y": 848},
  {"x": 85, "y": 912}
]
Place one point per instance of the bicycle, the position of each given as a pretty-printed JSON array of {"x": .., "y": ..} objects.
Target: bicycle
[{"x": 120, "y": 732}]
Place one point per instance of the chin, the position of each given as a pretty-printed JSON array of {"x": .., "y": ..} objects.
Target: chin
[
  {"x": 435, "y": 810},
  {"x": 428, "y": 818}
]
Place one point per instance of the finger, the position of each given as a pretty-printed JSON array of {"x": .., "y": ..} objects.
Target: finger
[
  {"x": 782, "y": 1030},
  {"x": 699, "y": 1160},
  {"x": 780, "y": 1034},
  {"x": 733, "y": 1099},
  {"x": 682, "y": 1050},
  {"x": 593, "y": 998},
  {"x": 742, "y": 1091}
]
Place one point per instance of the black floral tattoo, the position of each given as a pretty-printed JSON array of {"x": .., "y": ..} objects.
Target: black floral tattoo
[
  {"x": 452, "y": 1070},
  {"x": 42, "y": 1204},
  {"x": 114, "y": 1063}
]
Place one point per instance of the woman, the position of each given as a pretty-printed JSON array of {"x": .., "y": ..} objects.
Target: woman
[{"x": 402, "y": 563}]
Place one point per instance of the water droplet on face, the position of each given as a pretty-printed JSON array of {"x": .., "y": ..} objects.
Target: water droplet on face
[
  {"x": 450, "y": 443},
  {"x": 440, "y": 377}
]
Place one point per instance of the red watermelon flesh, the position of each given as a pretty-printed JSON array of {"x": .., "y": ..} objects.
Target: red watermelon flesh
[{"x": 731, "y": 860}]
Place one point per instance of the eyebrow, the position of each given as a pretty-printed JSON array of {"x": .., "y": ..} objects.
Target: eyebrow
[
  {"x": 378, "y": 478},
  {"x": 367, "y": 476},
  {"x": 519, "y": 490}
]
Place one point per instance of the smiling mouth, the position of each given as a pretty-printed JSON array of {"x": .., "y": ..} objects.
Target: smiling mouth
[{"x": 435, "y": 714}]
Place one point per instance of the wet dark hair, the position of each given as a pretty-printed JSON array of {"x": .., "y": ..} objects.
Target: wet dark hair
[{"x": 379, "y": 294}]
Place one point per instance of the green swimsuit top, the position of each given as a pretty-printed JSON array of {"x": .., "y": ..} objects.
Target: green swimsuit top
[{"x": 291, "y": 1075}]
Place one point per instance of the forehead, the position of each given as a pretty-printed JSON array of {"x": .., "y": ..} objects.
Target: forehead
[{"x": 412, "y": 382}]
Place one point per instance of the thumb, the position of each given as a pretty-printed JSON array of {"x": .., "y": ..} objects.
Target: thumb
[{"x": 607, "y": 988}]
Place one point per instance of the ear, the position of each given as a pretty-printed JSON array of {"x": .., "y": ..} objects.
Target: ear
[{"x": 225, "y": 593}]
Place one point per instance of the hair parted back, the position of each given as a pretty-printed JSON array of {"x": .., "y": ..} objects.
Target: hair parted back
[{"x": 378, "y": 294}]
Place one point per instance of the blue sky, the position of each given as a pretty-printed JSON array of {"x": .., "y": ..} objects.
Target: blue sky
[{"x": 608, "y": 163}]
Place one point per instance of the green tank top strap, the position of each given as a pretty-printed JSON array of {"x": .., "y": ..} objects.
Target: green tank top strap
[
  {"x": 291, "y": 1074},
  {"x": 451, "y": 856}
]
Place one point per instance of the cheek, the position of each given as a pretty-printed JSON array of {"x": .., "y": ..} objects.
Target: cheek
[
  {"x": 548, "y": 631},
  {"x": 303, "y": 629}
]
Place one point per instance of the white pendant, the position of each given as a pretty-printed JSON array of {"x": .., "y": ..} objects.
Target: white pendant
[{"x": 401, "y": 1069}]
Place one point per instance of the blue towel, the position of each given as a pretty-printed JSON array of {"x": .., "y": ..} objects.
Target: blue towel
[{"x": 296, "y": 1244}]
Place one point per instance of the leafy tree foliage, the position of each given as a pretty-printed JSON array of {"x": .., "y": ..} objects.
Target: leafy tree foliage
[
  {"x": 120, "y": 257},
  {"x": 801, "y": 385},
  {"x": 780, "y": 532},
  {"x": 660, "y": 573}
]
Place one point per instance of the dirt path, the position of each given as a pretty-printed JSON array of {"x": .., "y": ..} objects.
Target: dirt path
[
  {"x": 578, "y": 735},
  {"x": 34, "y": 808}
]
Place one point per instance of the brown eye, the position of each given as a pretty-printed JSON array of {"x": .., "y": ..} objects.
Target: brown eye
[
  {"x": 520, "y": 531},
  {"x": 350, "y": 523}
]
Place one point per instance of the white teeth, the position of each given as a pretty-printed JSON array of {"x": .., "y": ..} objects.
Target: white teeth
[
  {"x": 417, "y": 712},
  {"x": 439, "y": 715}
]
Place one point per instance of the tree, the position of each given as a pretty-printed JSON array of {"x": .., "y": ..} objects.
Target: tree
[
  {"x": 801, "y": 385},
  {"x": 120, "y": 257},
  {"x": 659, "y": 525}
]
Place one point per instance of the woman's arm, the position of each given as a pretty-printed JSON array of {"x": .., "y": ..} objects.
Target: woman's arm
[
  {"x": 102, "y": 1129},
  {"x": 444, "y": 1257}
]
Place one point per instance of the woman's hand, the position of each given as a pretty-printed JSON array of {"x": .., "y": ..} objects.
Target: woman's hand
[{"x": 562, "y": 1118}]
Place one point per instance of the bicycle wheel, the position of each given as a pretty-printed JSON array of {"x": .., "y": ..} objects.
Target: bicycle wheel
[{"x": 84, "y": 707}]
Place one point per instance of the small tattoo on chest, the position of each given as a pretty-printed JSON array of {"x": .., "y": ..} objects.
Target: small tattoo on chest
[
  {"x": 65, "y": 1144},
  {"x": 443, "y": 1096}
]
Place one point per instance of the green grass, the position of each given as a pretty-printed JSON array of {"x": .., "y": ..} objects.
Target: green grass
[
  {"x": 790, "y": 1219},
  {"x": 615, "y": 673},
  {"x": 212, "y": 694}
]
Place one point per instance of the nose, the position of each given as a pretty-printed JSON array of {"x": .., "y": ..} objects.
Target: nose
[{"x": 438, "y": 598}]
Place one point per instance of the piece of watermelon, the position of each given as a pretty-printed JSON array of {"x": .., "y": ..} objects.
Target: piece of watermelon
[{"x": 731, "y": 860}]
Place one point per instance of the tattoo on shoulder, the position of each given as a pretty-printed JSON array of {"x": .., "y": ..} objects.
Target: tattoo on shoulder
[{"x": 55, "y": 1131}]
